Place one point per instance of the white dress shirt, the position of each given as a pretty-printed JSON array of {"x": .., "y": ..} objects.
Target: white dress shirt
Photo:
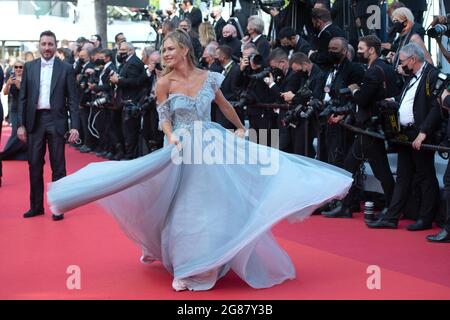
[
  {"x": 100, "y": 82},
  {"x": 407, "y": 102},
  {"x": 45, "y": 85}
]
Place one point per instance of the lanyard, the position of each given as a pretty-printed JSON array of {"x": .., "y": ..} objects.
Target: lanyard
[{"x": 410, "y": 85}]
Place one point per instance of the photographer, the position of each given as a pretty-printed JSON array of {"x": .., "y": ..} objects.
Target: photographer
[
  {"x": 311, "y": 87},
  {"x": 104, "y": 92},
  {"x": 254, "y": 90},
  {"x": 229, "y": 85},
  {"x": 336, "y": 141},
  {"x": 325, "y": 31},
  {"x": 288, "y": 81},
  {"x": 292, "y": 42},
  {"x": 153, "y": 69},
  {"x": 83, "y": 64},
  {"x": 129, "y": 90},
  {"x": 419, "y": 117},
  {"x": 377, "y": 85},
  {"x": 444, "y": 234},
  {"x": 440, "y": 27}
]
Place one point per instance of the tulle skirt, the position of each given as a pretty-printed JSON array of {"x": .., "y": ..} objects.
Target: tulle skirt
[{"x": 209, "y": 207}]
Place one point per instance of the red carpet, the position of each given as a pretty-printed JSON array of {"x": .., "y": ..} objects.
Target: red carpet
[{"x": 331, "y": 256}]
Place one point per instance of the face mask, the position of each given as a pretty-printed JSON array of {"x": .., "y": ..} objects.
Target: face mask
[
  {"x": 408, "y": 71},
  {"x": 361, "y": 58},
  {"x": 334, "y": 57},
  {"x": 81, "y": 60},
  {"x": 288, "y": 48},
  {"x": 169, "y": 13},
  {"x": 122, "y": 57},
  {"x": 228, "y": 38},
  {"x": 99, "y": 62},
  {"x": 213, "y": 16},
  {"x": 398, "y": 27}
]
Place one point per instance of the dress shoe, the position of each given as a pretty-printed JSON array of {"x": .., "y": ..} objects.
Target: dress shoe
[
  {"x": 85, "y": 149},
  {"x": 443, "y": 237},
  {"x": 57, "y": 217},
  {"x": 382, "y": 224},
  {"x": 33, "y": 213},
  {"x": 419, "y": 226},
  {"x": 338, "y": 212}
]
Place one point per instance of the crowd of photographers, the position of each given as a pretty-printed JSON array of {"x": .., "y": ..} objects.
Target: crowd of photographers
[{"x": 309, "y": 87}]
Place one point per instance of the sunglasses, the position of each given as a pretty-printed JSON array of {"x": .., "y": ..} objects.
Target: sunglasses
[{"x": 18, "y": 67}]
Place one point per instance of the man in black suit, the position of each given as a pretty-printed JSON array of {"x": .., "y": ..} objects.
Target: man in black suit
[
  {"x": 326, "y": 30},
  {"x": 255, "y": 29},
  {"x": 278, "y": 59},
  {"x": 229, "y": 85},
  {"x": 47, "y": 91},
  {"x": 186, "y": 25},
  {"x": 292, "y": 42},
  {"x": 377, "y": 85},
  {"x": 192, "y": 13},
  {"x": 218, "y": 22},
  {"x": 335, "y": 146},
  {"x": 130, "y": 85},
  {"x": 229, "y": 38},
  {"x": 419, "y": 117},
  {"x": 312, "y": 78}
]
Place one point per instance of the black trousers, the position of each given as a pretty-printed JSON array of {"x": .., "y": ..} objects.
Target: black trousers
[
  {"x": 263, "y": 122},
  {"x": 113, "y": 129},
  {"x": 337, "y": 144},
  {"x": 447, "y": 196},
  {"x": 1, "y": 127},
  {"x": 420, "y": 163},
  {"x": 44, "y": 134},
  {"x": 131, "y": 128},
  {"x": 85, "y": 118},
  {"x": 374, "y": 151}
]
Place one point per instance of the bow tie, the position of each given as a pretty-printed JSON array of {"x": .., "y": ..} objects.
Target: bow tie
[{"x": 45, "y": 64}]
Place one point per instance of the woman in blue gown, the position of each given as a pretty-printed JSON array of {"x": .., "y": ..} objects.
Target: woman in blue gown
[{"x": 205, "y": 203}]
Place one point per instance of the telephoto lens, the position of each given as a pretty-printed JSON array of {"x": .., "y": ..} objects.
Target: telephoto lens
[{"x": 369, "y": 214}]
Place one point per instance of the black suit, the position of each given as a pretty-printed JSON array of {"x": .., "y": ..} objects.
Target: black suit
[
  {"x": 410, "y": 162},
  {"x": 235, "y": 44},
  {"x": 263, "y": 47},
  {"x": 218, "y": 26},
  {"x": 290, "y": 83},
  {"x": 321, "y": 57},
  {"x": 131, "y": 86},
  {"x": 378, "y": 84},
  {"x": 335, "y": 146},
  {"x": 417, "y": 7},
  {"x": 47, "y": 127},
  {"x": 195, "y": 16},
  {"x": 230, "y": 91}
]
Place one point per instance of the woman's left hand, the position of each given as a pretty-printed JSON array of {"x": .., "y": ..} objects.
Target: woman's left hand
[{"x": 240, "y": 133}]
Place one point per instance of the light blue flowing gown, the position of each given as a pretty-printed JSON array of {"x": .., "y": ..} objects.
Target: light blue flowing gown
[{"x": 197, "y": 215}]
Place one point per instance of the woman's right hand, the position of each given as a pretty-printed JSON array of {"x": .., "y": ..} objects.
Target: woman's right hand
[{"x": 174, "y": 140}]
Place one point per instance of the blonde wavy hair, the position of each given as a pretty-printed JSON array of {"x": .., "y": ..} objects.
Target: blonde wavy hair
[
  {"x": 182, "y": 39},
  {"x": 206, "y": 33}
]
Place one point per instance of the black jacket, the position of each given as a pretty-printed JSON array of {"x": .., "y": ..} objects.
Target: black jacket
[
  {"x": 321, "y": 45},
  {"x": 378, "y": 83},
  {"x": 218, "y": 26},
  {"x": 195, "y": 16},
  {"x": 314, "y": 83},
  {"x": 130, "y": 82},
  {"x": 427, "y": 113},
  {"x": 263, "y": 47},
  {"x": 63, "y": 96},
  {"x": 235, "y": 45}
]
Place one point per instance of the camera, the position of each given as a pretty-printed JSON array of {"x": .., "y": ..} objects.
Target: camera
[
  {"x": 256, "y": 59},
  {"x": 131, "y": 110},
  {"x": 292, "y": 116},
  {"x": 335, "y": 106},
  {"x": 389, "y": 118},
  {"x": 244, "y": 100},
  {"x": 103, "y": 99},
  {"x": 147, "y": 103},
  {"x": 153, "y": 15},
  {"x": 439, "y": 29},
  {"x": 442, "y": 83}
]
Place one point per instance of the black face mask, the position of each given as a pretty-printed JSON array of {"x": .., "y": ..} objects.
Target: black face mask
[
  {"x": 99, "y": 62},
  {"x": 397, "y": 27},
  {"x": 213, "y": 16},
  {"x": 407, "y": 70},
  {"x": 361, "y": 58},
  {"x": 334, "y": 57},
  {"x": 122, "y": 57},
  {"x": 81, "y": 61},
  {"x": 228, "y": 39},
  {"x": 288, "y": 48}
]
